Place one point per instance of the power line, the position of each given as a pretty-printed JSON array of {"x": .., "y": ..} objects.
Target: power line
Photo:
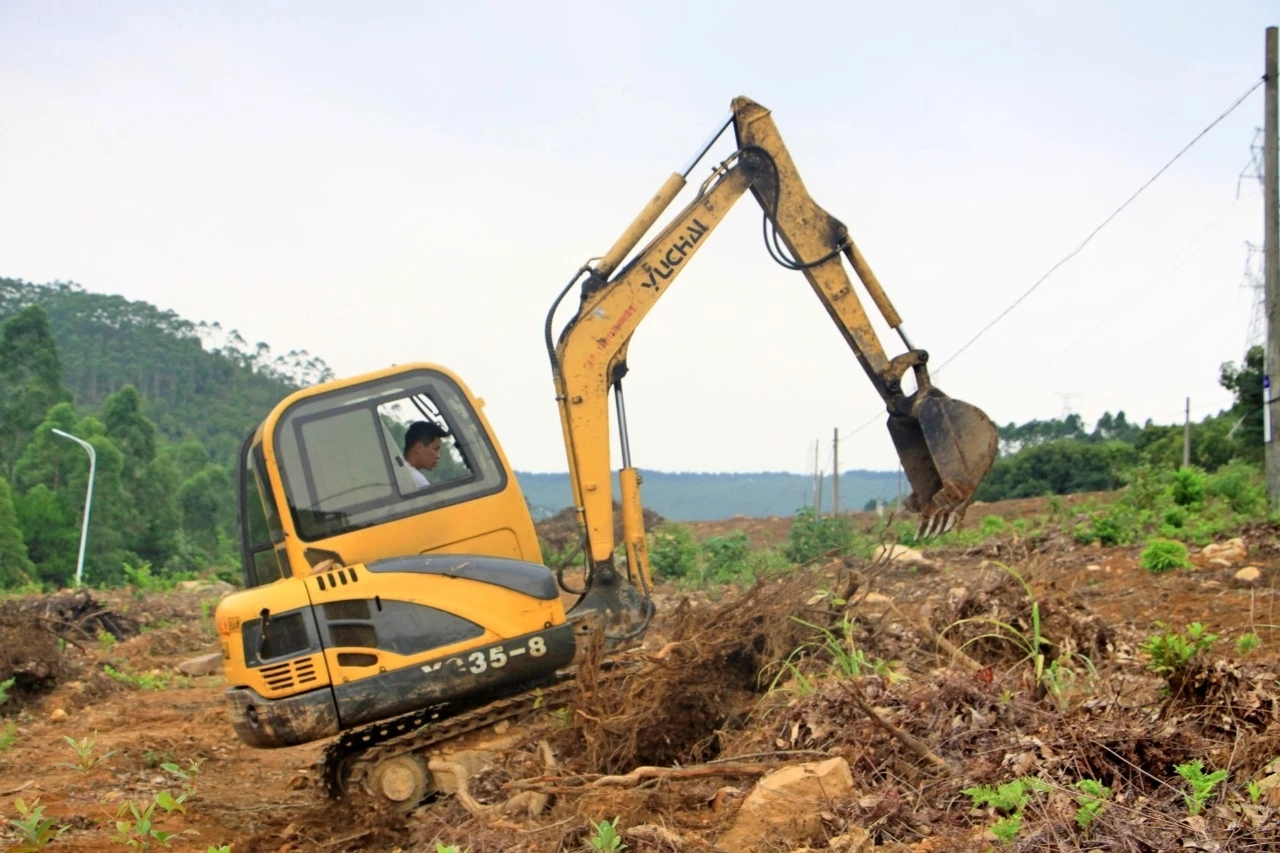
[{"x": 1104, "y": 224}]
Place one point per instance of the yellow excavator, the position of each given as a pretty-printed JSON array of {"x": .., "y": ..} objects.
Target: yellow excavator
[{"x": 394, "y": 611}]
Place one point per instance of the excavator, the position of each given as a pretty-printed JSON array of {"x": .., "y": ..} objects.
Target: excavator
[{"x": 393, "y": 617}]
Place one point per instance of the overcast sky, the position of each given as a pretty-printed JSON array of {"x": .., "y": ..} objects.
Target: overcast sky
[{"x": 393, "y": 182}]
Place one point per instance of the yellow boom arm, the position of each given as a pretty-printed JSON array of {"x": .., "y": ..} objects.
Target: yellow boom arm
[{"x": 946, "y": 446}]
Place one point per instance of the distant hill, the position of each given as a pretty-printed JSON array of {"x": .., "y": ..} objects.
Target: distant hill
[{"x": 705, "y": 497}]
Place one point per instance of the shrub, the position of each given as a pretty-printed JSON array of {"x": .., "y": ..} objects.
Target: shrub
[
  {"x": 1188, "y": 485},
  {"x": 812, "y": 535},
  {"x": 725, "y": 557},
  {"x": 1241, "y": 485},
  {"x": 1161, "y": 555},
  {"x": 674, "y": 551}
]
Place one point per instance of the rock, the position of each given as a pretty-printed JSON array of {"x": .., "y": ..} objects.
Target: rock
[
  {"x": 501, "y": 727},
  {"x": 1249, "y": 574},
  {"x": 1233, "y": 551},
  {"x": 1093, "y": 567},
  {"x": 787, "y": 804},
  {"x": 58, "y": 715},
  {"x": 472, "y": 762},
  {"x": 654, "y": 836},
  {"x": 1220, "y": 563},
  {"x": 188, "y": 586},
  {"x": 210, "y": 664},
  {"x": 856, "y": 840},
  {"x": 904, "y": 556}
]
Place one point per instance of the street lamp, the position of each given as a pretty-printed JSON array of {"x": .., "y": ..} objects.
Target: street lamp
[{"x": 88, "y": 499}]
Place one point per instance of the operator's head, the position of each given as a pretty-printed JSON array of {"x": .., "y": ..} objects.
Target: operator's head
[{"x": 422, "y": 445}]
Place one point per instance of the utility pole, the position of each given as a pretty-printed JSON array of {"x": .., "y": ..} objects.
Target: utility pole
[
  {"x": 835, "y": 471},
  {"x": 817, "y": 495},
  {"x": 1271, "y": 263},
  {"x": 1186, "y": 437}
]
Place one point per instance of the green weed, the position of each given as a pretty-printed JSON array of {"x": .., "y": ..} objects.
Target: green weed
[
  {"x": 1170, "y": 651},
  {"x": 1255, "y": 791},
  {"x": 811, "y": 536},
  {"x": 136, "y": 828},
  {"x": 84, "y": 748},
  {"x": 106, "y": 640},
  {"x": 1092, "y": 799},
  {"x": 1202, "y": 784},
  {"x": 5, "y": 687},
  {"x": 1009, "y": 798},
  {"x": 141, "y": 680},
  {"x": 1162, "y": 555},
  {"x": 8, "y": 736},
  {"x": 606, "y": 838},
  {"x": 35, "y": 830},
  {"x": 1246, "y": 643}
]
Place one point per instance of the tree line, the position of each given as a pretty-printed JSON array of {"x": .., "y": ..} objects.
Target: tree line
[
  {"x": 1063, "y": 456},
  {"x": 165, "y": 411}
]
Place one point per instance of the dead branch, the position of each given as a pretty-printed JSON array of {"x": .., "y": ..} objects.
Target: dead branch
[
  {"x": 942, "y": 643},
  {"x": 908, "y": 740},
  {"x": 640, "y": 774}
]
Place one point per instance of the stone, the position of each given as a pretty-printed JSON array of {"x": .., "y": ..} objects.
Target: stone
[
  {"x": 1233, "y": 551},
  {"x": 210, "y": 664},
  {"x": 903, "y": 556},
  {"x": 854, "y": 840},
  {"x": 188, "y": 586},
  {"x": 58, "y": 715},
  {"x": 1249, "y": 574},
  {"x": 1093, "y": 567},
  {"x": 787, "y": 804}
]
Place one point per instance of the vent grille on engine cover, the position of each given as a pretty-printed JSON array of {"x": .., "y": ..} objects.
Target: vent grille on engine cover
[{"x": 283, "y": 676}]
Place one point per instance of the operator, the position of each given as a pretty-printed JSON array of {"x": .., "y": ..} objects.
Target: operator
[{"x": 422, "y": 450}]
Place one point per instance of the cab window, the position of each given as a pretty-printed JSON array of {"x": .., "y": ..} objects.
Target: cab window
[{"x": 343, "y": 462}]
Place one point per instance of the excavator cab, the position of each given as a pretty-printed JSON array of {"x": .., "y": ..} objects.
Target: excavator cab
[{"x": 370, "y": 595}]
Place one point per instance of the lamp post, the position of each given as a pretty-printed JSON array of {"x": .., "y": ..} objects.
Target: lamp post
[{"x": 88, "y": 499}]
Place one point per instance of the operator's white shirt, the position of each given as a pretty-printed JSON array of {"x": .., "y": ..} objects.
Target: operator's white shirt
[{"x": 419, "y": 479}]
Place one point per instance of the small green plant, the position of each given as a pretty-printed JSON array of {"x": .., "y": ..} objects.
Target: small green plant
[
  {"x": 1202, "y": 784},
  {"x": 106, "y": 640},
  {"x": 1092, "y": 799},
  {"x": 136, "y": 829},
  {"x": 1171, "y": 651},
  {"x": 5, "y": 687},
  {"x": 1059, "y": 679},
  {"x": 1008, "y": 797},
  {"x": 85, "y": 759},
  {"x": 1162, "y": 555},
  {"x": 187, "y": 776},
  {"x": 447, "y": 848},
  {"x": 1247, "y": 643},
  {"x": 8, "y": 736},
  {"x": 1006, "y": 828},
  {"x": 1255, "y": 791},
  {"x": 606, "y": 838},
  {"x": 35, "y": 830}
]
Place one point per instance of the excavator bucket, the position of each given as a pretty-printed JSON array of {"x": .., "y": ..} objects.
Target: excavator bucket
[{"x": 946, "y": 446}]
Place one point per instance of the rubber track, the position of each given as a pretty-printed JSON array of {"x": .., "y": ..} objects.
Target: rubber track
[{"x": 348, "y": 760}]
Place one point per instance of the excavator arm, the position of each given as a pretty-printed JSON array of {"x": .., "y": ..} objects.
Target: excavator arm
[{"x": 946, "y": 446}]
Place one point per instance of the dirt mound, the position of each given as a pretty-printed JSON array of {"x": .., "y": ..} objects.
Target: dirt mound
[
  {"x": 563, "y": 531},
  {"x": 34, "y": 630}
]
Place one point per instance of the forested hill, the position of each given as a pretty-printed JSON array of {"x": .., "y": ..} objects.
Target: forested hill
[{"x": 198, "y": 380}]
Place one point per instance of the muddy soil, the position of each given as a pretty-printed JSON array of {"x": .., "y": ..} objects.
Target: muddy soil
[{"x": 982, "y": 713}]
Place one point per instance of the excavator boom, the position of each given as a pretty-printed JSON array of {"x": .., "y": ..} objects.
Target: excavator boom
[{"x": 946, "y": 446}]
